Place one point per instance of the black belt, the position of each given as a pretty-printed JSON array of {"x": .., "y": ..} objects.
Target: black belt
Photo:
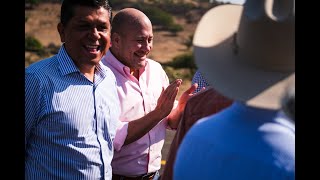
[{"x": 147, "y": 176}]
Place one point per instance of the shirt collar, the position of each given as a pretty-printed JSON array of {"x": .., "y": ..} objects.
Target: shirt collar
[
  {"x": 67, "y": 66},
  {"x": 118, "y": 66}
]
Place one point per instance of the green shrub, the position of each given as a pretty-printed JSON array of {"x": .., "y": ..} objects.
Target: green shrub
[
  {"x": 158, "y": 16},
  {"x": 171, "y": 73},
  {"x": 182, "y": 61},
  {"x": 184, "y": 73},
  {"x": 32, "y": 44},
  {"x": 174, "y": 28},
  {"x": 182, "y": 66},
  {"x": 161, "y": 18},
  {"x": 188, "y": 42}
]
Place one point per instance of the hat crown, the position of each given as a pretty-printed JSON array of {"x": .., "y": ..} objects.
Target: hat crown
[
  {"x": 265, "y": 37},
  {"x": 247, "y": 52},
  {"x": 277, "y": 10}
]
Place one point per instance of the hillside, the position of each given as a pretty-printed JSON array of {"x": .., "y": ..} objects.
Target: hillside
[{"x": 42, "y": 19}]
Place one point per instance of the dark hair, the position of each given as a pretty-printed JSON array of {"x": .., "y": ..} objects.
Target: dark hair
[{"x": 67, "y": 8}]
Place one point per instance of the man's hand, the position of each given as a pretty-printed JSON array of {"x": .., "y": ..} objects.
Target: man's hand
[
  {"x": 175, "y": 115},
  {"x": 185, "y": 97},
  {"x": 139, "y": 127},
  {"x": 166, "y": 100}
]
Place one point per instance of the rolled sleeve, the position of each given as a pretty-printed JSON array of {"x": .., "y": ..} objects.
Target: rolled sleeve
[{"x": 121, "y": 135}]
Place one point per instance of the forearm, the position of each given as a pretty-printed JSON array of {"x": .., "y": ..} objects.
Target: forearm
[
  {"x": 140, "y": 127},
  {"x": 165, "y": 103}
]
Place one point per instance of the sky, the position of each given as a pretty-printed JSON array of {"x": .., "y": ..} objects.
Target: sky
[{"x": 233, "y": 1}]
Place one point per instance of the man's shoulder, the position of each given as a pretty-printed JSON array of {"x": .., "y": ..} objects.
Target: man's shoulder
[
  {"x": 154, "y": 66},
  {"x": 152, "y": 62},
  {"x": 206, "y": 102},
  {"x": 40, "y": 66}
]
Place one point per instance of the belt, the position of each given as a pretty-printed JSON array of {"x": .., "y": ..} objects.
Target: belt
[{"x": 148, "y": 176}]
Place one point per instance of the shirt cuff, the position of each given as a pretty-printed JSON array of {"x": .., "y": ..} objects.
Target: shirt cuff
[{"x": 121, "y": 135}]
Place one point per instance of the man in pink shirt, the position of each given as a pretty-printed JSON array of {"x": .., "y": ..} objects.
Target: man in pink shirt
[{"x": 148, "y": 105}]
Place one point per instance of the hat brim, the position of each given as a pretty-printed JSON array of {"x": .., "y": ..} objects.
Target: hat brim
[{"x": 213, "y": 51}]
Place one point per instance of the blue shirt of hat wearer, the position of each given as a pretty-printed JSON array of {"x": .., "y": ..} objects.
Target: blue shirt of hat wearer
[
  {"x": 70, "y": 122},
  {"x": 240, "y": 142}
]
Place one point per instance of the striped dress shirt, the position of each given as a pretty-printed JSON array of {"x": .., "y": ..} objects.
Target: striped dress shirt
[{"x": 70, "y": 122}]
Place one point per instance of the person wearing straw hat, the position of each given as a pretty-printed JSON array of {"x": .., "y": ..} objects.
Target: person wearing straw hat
[{"x": 247, "y": 53}]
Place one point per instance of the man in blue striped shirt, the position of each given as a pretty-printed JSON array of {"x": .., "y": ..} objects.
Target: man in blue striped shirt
[{"x": 71, "y": 102}]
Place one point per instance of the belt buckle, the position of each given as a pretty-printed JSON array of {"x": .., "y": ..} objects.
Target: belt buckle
[{"x": 148, "y": 175}]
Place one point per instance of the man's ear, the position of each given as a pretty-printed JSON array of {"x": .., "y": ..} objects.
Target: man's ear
[
  {"x": 60, "y": 28},
  {"x": 115, "y": 40}
]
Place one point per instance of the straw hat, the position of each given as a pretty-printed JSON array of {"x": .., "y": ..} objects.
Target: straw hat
[{"x": 247, "y": 52}]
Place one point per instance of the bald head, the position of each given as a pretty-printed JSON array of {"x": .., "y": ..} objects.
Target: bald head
[
  {"x": 128, "y": 18},
  {"x": 131, "y": 38}
]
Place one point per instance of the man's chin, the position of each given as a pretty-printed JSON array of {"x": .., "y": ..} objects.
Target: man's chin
[
  {"x": 94, "y": 56},
  {"x": 142, "y": 64}
]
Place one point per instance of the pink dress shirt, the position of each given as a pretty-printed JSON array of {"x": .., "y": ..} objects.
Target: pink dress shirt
[{"x": 137, "y": 98}]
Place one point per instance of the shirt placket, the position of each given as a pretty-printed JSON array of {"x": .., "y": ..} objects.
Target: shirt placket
[{"x": 148, "y": 100}]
